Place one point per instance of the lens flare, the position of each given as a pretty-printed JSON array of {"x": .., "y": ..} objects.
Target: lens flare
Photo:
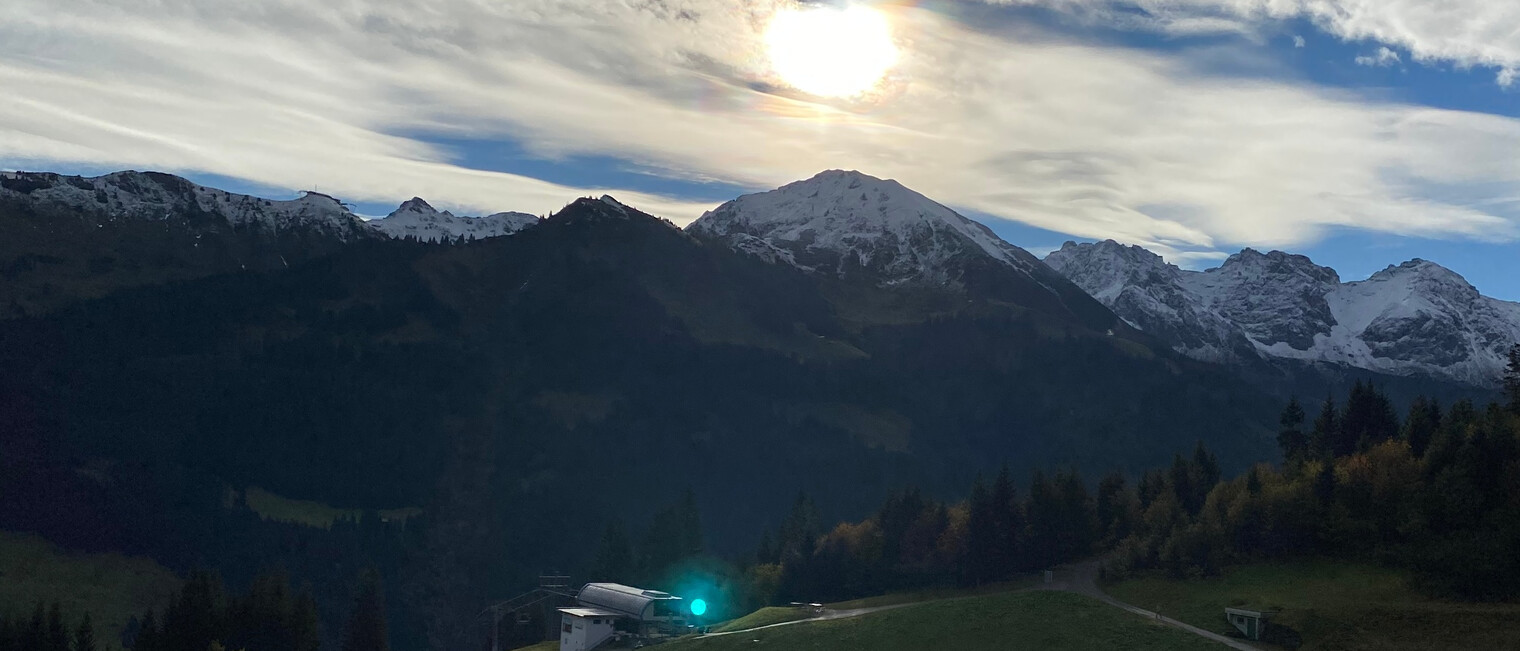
[{"x": 831, "y": 51}]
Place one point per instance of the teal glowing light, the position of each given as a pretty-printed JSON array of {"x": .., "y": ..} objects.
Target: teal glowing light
[{"x": 698, "y": 607}]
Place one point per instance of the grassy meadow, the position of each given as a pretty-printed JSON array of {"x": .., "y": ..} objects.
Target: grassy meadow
[
  {"x": 111, "y": 587},
  {"x": 1004, "y": 622},
  {"x": 1333, "y": 605}
]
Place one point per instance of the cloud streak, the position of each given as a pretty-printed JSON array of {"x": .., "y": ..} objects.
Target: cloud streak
[
  {"x": 1092, "y": 141},
  {"x": 1466, "y": 33}
]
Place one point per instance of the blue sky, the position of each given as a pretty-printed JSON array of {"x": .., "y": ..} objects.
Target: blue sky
[{"x": 1360, "y": 134}]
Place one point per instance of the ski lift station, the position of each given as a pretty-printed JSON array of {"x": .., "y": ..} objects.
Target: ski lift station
[{"x": 609, "y": 614}]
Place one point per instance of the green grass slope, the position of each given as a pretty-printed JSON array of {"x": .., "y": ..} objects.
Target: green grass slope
[
  {"x": 312, "y": 513},
  {"x": 1336, "y": 606},
  {"x": 1026, "y": 620},
  {"x": 765, "y": 617},
  {"x": 111, "y": 587}
]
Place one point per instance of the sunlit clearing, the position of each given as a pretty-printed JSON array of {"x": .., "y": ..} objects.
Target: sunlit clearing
[{"x": 828, "y": 51}]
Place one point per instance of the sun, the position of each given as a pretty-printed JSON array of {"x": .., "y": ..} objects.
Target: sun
[{"x": 831, "y": 51}]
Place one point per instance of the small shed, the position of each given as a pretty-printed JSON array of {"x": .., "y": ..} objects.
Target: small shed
[
  {"x": 583, "y": 629},
  {"x": 1249, "y": 621}
]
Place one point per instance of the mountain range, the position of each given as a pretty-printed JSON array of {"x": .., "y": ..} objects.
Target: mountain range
[
  {"x": 1413, "y": 319},
  {"x": 523, "y": 383}
]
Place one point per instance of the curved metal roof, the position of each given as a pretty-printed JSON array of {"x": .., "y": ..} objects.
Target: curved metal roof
[{"x": 621, "y": 598}]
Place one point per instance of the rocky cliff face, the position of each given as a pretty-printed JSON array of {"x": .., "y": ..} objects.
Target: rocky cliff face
[{"x": 1417, "y": 318}]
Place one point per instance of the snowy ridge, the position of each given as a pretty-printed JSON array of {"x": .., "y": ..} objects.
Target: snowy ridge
[
  {"x": 156, "y": 196},
  {"x": 1418, "y": 318},
  {"x": 415, "y": 218},
  {"x": 1151, "y": 295},
  {"x": 847, "y": 222}
]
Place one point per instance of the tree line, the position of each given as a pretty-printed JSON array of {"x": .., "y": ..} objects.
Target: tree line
[
  {"x": 269, "y": 617},
  {"x": 1436, "y": 492},
  {"x": 46, "y": 630},
  {"x": 998, "y": 532}
]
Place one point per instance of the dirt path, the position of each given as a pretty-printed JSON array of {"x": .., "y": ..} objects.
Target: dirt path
[
  {"x": 826, "y": 616},
  {"x": 1081, "y": 579}
]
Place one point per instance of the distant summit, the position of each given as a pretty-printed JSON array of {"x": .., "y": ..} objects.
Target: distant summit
[
  {"x": 844, "y": 222},
  {"x": 416, "y": 218},
  {"x": 856, "y": 226},
  {"x": 154, "y": 196},
  {"x": 1417, "y": 318}
]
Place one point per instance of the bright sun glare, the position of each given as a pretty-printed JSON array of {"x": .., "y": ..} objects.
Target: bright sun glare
[{"x": 828, "y": 51}]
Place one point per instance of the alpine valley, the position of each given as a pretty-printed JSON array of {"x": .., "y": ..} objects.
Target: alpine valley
[{"x": 175, "y": 359}]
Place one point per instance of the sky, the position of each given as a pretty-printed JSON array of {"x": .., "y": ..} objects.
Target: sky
[{"x": 1359, "y": 133}]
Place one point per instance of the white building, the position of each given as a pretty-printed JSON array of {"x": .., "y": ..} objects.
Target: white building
[
  {"x": 584, "y": 629},
  {"x": 605, "y": 611}
]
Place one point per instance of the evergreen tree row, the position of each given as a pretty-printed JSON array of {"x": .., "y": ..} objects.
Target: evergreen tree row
[
  {"x": 913, "y": 541},
  {"x": 1435, "y": 492},
  {"x": 270, "y": 617},
  {"x": 46, "y": 630},
  {"x": 673, "y": 535}
]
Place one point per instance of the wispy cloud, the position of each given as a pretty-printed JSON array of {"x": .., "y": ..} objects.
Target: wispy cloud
[
  {"x": 1383, "y": 58},
  {"x": 1462, "y": 32},
  {"x": 1098, "y": 142}
]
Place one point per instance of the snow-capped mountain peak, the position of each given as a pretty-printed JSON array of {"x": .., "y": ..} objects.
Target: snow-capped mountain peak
[
  {"x": 157, "y": 196},
  {"x": 846, "y": 222},
  {"x": 419, "y": 219},
  {"x": 856, "y": 226},
  {"x": 1416, "y": 318},
  {"x": 1148, "y": 293}
]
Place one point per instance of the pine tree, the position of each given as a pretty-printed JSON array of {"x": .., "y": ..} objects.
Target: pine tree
[
  {"x": 1076, "y": 519},
  {"x": 1368, "y": 420},
  {"x": 1043, "y": 515},
  {"x": 366, "y": 626},
  {"x": 1324, "y": 482},
  {"x": 614, "y": 558},
  {"x": 1183, "y": 488},
  {"x": 981, "y": 534},
  {"x": 1291, "y": 436},
  {"x": 84, "y": 636},
  {"x": 1006, "y": 521},
  {"x": 8, "y": 641},
  {"x": 1327, "y": 429},
  {"x": 57, "y": 631},
  {"x": 1112, "y": 509},
  {"x": 305, "y": 631},
  {"x": 691, "y": 525},
  {"x": 1206, "y": 466},
  {"x": 1253, "y": 482},
  {"x": 1152, "y": 483},
  {"x": 148, "y": 636},
  {"x": 799, "y": 531},
  {"x": 766, "y": 552},
  {"x": 1422, "y": 424}
]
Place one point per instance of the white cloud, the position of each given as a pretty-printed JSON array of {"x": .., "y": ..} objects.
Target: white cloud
[
  {"x": 1096, "y": 142},
  {"x": 1383, "y": 58},
  {"x": 1463, "y": 32},
  {"x": 1298, "y": 41}
]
